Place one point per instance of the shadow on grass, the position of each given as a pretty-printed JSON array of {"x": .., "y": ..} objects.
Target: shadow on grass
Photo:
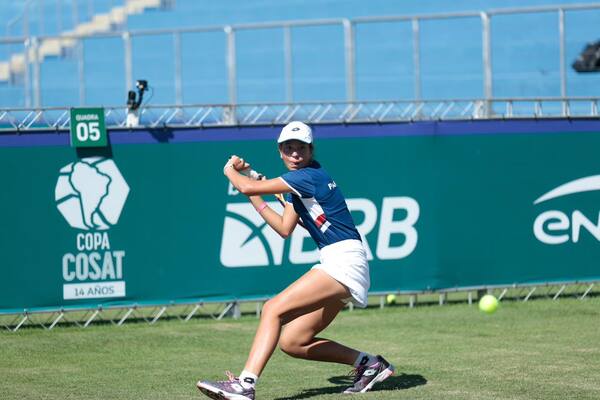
[{"x": 398, "y": 382}]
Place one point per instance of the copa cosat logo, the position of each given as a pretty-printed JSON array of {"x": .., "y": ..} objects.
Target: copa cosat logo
[
  {"x": 248, "y": 241},
  {"x": 90, "y": 195},
  {"x": 559, "y": 226}
]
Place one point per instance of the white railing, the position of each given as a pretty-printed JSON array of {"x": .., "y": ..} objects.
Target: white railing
[
  {"x": 185, "y": 311},
  {"x": 58, "y": 118}
]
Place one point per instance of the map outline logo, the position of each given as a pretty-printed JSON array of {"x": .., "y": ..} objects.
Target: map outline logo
[{"x": 90, "y": 193}]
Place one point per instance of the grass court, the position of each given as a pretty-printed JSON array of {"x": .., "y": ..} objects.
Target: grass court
[{"x": 540, "y": 349}]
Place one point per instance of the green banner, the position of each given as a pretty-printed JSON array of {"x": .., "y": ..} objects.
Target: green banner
[
  {"x": 156, "y": 220},
  {"x": 88, "y": 128}
]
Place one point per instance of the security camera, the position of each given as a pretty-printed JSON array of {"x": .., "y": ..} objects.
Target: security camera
[
  {"x": 134, "y": 101},
  {"x": 141, "y": 84}
]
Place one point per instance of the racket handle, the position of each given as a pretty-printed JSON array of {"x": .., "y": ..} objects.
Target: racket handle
[{"x": 252, "y": 174}]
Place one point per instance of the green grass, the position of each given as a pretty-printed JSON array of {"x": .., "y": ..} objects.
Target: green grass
[{"x": 541, "y": 349}]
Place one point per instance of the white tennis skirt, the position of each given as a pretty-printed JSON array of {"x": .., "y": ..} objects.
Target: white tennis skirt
[{"x": 346, "y": 262}]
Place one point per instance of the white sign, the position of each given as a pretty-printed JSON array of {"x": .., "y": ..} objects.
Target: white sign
[{"x": 77, "y": 291}]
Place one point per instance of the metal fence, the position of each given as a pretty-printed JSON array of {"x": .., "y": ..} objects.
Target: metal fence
[
  {"x": 184, "y": 312},
  {"x": 33, "y": 46},
  {"x": 58, "y": 118}
]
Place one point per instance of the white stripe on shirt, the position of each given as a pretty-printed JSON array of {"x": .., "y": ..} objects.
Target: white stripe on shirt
[{"x": 290, "y": 186}]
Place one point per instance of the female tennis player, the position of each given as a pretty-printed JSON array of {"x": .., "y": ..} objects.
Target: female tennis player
[{"x": 308, "y": 305}]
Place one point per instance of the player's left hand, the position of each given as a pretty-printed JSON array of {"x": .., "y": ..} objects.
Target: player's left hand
[{"x": 236, "y": 163}]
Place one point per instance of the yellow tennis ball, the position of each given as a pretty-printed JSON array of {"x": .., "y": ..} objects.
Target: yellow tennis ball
[
  {"x": 391, "y": 299},
  {"x": 488, "y": 304}
]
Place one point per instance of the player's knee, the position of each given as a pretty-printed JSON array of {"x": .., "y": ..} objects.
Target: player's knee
[
  {"x": 271, "y": 309},
  {"x": 291, "y": 346}
]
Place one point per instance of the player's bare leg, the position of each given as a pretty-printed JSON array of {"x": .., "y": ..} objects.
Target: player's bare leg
[
  {"x": 306, "y": 295},
  {"x": 299, "y": 340},
  {"x": 308, "y": 306}
]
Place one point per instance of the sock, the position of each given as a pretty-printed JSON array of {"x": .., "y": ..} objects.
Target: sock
[
  {"x": 248, "y": 379},
  {"x": 364, "y": 359}
]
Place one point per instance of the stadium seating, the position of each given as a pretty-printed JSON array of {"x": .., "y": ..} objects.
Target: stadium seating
[
  {"x": 50, "y": 17},
  {"x": 525, "y": 60}
]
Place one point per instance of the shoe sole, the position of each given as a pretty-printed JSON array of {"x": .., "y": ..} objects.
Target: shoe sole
[
  {"x": 217, "y": 394},
  {"x": 382, "y": 376},
  {"x": 212, "y": 395}
]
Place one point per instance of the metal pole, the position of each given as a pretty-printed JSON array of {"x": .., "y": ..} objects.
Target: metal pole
[
  {"x": 8, "y": 34},
  {"x": 126, "y": 19},
  {"x": 128, "y": 63},
  {"x": 417, "y": 57},
  {"x": 41, "y": 22},
  {"x": 59, "y": 17},
  {"x": 27, "y": 74},
  {"x": 231, "y": 65},
  {"x": 350, "y": 60},
  {"x": 487, "y": 60},
  {"x": 563, "y": 69},
  {"x": 81, "y": 71},
  {"x": 26, "y": 32},
  {"x": 178, "y": 68},
  {"x": 74, "y": 13},
  {"x": 37, "y": 97},
  {"x": 287, "y": 52}
]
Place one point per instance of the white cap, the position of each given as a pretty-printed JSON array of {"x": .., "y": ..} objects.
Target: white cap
[{"x": 296, "y": 130}]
